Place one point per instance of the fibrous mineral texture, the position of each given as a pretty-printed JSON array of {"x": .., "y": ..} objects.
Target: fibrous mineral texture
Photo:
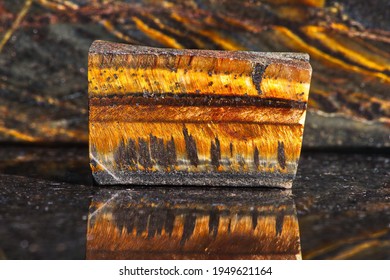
[{"x": 195, "y": 117}]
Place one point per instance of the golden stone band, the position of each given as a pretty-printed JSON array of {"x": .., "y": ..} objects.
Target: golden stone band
[{"x": 195, "y": 117}]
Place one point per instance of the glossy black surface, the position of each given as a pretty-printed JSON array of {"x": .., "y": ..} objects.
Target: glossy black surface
[{"x": 342, "y": 200}]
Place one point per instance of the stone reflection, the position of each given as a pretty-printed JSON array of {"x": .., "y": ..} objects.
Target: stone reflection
[{"x": 189, "y": 223}]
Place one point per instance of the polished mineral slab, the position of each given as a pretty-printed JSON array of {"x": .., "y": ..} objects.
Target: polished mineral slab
[{"x": 195, "y": 117}]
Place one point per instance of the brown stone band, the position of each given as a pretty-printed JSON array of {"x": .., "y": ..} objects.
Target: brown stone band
[{"x": 194, "y": 99}]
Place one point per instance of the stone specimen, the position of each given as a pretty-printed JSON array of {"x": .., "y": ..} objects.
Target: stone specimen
[
  {"x": 172, "y": 223},
  {"x": 195, "y": 117}
]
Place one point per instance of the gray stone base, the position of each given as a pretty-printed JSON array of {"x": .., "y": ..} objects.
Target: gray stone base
[{"x": 195, "y": 179}]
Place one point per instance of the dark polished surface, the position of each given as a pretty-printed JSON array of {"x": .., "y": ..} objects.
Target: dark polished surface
[{"x": 342, "y": 201}]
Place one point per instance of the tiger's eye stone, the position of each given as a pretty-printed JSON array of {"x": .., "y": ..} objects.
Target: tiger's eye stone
[
  {"x": 195, "y": 117},
  {"x": 171, "y": 223}
]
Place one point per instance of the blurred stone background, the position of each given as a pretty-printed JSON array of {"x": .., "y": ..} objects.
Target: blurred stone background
[{"x": 44, "y": 46}]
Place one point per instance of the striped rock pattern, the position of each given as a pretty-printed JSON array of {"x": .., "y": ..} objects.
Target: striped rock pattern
[
  {"x": 44, "y": 48},
  {"x": 134, "y": 224},
  {"x": 164, "y": 116}
]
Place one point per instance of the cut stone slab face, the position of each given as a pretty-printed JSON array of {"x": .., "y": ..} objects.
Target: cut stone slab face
[{"x": 195, "y": 117}]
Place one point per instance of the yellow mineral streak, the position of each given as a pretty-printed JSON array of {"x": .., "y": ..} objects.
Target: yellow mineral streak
[
  {"x": 156, "y": 35},
  {"x": 349, "y": 49},
  {"x": 222, "y": 78},
  {"x": 7, "y": 35},
  {"x": 112, "y": 29},
  {"x": 348, "y": 252},
  {"x": 286, "y": 82},
  {"x": 225, "y": 43},
  {"x": 295, "y": 42},
  {"x": 214, "y": 36},
  {"x": 313, "y": 3},
  {"x": 18, "y": 135}
]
